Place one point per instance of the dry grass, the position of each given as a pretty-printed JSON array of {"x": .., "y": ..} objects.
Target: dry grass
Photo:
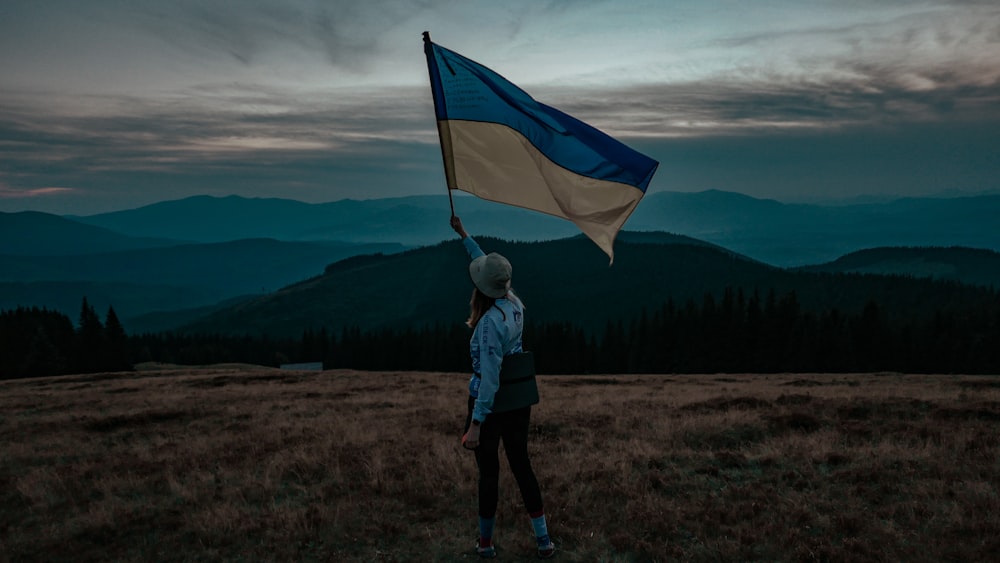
[{"x": 256, "y": 464}]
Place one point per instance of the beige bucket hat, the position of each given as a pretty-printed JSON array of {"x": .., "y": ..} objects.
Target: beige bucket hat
[{"x": 491, "y": 274}]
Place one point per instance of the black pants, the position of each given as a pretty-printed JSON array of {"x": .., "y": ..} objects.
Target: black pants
[{"x": 512, "y": 428}]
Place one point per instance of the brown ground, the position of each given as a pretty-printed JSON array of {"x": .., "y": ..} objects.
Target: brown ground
[{"x": 256, "y": 464}]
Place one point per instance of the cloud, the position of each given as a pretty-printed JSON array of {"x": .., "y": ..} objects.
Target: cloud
[
  {"x": 128, "y": 152},
  {"x": 726, "y": 106},
  {"x": 7, "y": 192},
  {"x": 918, "y": 41},
  {"x": 143, "y": 47},
  {"x": 346, "y": 33},
  {"x": 142, "y": 101},
  {"x": 929, "y": 64}
]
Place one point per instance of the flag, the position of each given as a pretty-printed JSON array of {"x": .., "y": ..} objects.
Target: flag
[{"x": 501, "y": 145}]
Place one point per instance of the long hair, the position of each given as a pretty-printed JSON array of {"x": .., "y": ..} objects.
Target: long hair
[{"x": 480, "y": 303}]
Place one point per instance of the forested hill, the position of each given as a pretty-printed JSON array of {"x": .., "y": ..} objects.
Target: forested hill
[
  {"x": 567, "y": 280},
  {"x": 968, "y": 265}
]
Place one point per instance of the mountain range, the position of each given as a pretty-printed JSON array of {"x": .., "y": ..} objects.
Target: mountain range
[
  {"x": 220, "y": 263},
  {"x": 32, "y": 233},
  {"x": 53, "y": 262},
  {"x": 773, "y": 232}
]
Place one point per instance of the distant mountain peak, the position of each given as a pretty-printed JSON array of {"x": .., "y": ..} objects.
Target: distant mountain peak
[{"x": 782, "y": 234}]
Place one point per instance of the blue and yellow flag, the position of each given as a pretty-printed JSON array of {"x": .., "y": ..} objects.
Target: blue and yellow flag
[{"x": 501, "y": 145}]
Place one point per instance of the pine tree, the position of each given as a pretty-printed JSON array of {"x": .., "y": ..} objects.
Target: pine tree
[
  {"x": 34, "y": 342},
  {"x": 116, "y": 351},
  {"x": 41, "y": 357},
  {"x": 88, "y": 342}
]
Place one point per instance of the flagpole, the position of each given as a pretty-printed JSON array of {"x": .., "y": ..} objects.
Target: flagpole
[{"x": 444, "y": 157}]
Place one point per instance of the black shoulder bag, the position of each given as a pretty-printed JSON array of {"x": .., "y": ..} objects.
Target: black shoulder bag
[{"x": 518, "y": 388}]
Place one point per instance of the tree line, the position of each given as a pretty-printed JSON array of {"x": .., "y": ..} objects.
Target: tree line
[
  {"x": 732, "y": 332},
  {"x": 735, "y": 332},
  {"x": 39, "y": 342}
]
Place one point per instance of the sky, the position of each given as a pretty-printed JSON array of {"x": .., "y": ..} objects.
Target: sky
[{"x": 112, "y": 104}]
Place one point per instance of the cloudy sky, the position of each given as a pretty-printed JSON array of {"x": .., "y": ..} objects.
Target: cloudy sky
[{"x": 113, "y": 104}]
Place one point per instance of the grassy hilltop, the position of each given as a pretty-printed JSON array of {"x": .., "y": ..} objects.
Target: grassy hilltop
[{"x": 245, "y": 463}]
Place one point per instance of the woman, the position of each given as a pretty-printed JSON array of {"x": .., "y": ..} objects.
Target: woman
[{"x": 497, "y": 319}]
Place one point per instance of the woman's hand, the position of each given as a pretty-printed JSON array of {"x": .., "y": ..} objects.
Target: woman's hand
[
  {"x": 456, "y": 224},
  {"x": 471, "y": 439}
]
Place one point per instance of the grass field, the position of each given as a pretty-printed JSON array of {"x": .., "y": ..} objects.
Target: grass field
[{"x": 241, "y": 463}]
